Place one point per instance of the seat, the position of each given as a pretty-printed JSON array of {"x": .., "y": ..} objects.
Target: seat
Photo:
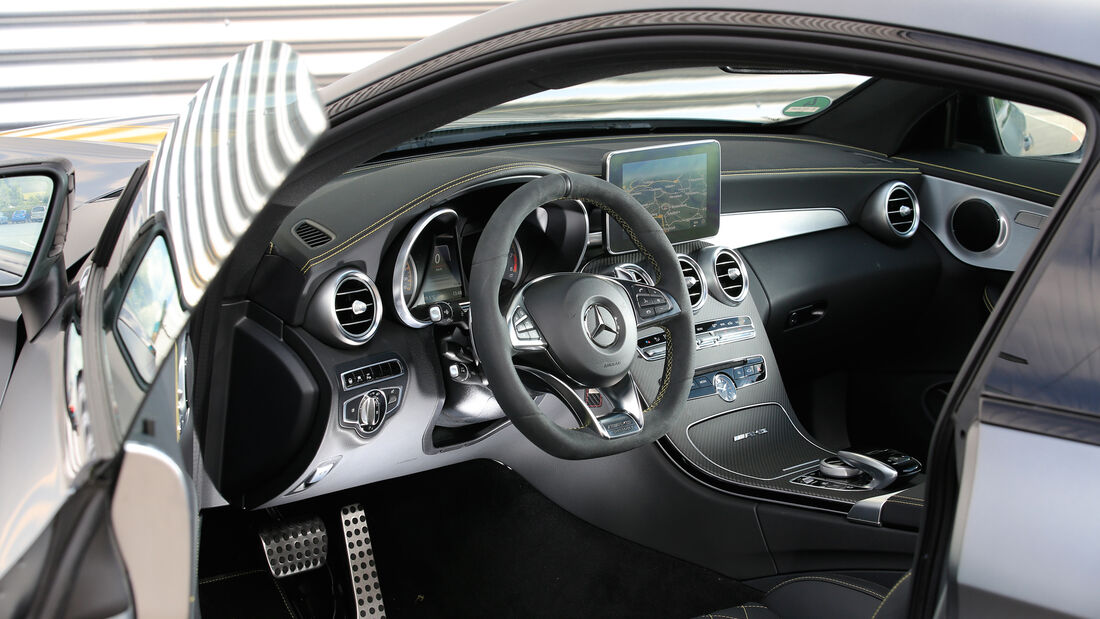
[{"x": 825, "y": 597}]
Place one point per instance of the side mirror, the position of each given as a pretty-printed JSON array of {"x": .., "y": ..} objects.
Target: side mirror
[{"x": 35, "y": 203}]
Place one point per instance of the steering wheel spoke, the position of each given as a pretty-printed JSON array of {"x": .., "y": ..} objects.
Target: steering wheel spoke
[
  {"x": 609, "y": 412},
  {"x": 581, "y": 329},
  {"x": 523, "y": 333}
]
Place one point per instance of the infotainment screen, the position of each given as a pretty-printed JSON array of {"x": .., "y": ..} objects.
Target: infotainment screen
[{"x": 679, "y": 184}]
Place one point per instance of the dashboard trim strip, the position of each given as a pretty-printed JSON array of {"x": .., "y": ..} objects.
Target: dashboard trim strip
[{"x": 746, "y": 228}]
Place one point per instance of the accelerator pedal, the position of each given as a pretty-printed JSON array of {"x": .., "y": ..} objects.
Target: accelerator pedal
[
  {"x": 364, "y": 574},
  {"x": 295, "y": 547}
]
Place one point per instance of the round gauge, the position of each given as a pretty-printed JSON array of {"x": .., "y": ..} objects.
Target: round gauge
[
  {"x": 514, "y": 270},
  {"x": 408, "y": 280}
]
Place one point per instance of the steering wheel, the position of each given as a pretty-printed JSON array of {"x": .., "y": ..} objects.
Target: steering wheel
[{"x": 573, "y": 331}]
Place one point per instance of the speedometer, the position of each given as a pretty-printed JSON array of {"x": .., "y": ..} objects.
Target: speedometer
[
  {"x": 408, "y": 280},
  {"x": 514, "y": 270}
]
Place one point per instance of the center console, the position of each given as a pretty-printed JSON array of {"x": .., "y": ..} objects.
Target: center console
[{"x": 739, "y": 433}]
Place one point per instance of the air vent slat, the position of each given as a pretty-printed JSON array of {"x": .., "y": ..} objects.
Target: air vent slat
[
  {"x": 311, "y": 234},
  {"x": 729, "y": 270},
  {"x": 901, "y": 211},
  {"x": 355, "y": 304},
  {"x": 693, "y": 278}
]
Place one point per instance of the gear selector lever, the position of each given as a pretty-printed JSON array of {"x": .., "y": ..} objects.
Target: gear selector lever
[{"x": 885, "y": 466}]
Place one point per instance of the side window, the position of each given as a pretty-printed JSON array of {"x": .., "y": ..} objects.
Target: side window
[{"x": 1029, "y": 131}]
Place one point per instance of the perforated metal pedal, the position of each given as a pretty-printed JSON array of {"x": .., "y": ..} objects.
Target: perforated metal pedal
[
  {"x": 364, "y": 573},
  {"x": 295, "y": 547}
]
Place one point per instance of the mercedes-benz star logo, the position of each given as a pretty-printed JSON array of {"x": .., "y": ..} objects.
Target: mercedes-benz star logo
[{"x": 600, "y": 325}]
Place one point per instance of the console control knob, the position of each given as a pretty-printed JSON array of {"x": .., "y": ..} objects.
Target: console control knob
[
  {"x": 837, "y": 468},
  {"x": 372, "y": 408},
  {"x": 724, "y": 387}
]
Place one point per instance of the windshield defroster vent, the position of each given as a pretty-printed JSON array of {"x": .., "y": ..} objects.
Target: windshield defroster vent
[
  {"x": 693, "y": 278},
  {"x": 892, "y": 213},
  {"x": 346, "y": 309},
  {"x": 311, "y": 234}
]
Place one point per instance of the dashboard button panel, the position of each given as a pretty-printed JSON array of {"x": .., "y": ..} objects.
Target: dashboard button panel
[
  {"x": 707, "y": 334},
  {"x": 741, "y": 373}
]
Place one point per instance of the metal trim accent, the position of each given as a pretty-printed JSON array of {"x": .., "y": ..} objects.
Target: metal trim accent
[
  {"x": 899, "y": 185},
  {"x": 712, "y": 254},
  {"x": 365, "y": 586},
  {"x": 341, "y": 333},
  {"x": 629, "y": 269},
  {"x": 869, "y": 511},
  {"x": 742, "y": 229},
  {"x": 704, "y": 294},
  {"x": 1002, "y": 228},
  {"x": 295, "y": 547},
  {"x": 400, "y": 307}
]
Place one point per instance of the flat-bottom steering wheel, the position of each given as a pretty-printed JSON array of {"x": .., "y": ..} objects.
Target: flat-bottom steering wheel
[{"x": 579, "y": 330}]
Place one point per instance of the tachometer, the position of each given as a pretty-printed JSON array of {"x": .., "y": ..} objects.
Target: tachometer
[
  {"x": 514, "y": 270},
  {"x": 408, "y": 280}
]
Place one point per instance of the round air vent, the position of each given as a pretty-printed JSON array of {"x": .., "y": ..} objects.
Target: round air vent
[
  {"x": 730, "y": 275},
  {"x": 346, "y": 309},
  {"x": 633, "y": 273},
  {"x": 977, "y": 226},
  {"x": 892, "y": 213},
  {"x": 693, "y": 277}
]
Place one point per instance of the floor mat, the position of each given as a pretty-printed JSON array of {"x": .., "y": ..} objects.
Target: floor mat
[{"x": 476, "y": 540}]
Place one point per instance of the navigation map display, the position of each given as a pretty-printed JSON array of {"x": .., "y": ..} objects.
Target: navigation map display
[{"x": 679, "y": 184}]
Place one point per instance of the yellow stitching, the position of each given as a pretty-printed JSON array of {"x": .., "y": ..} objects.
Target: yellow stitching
[
  {"x": 659, "y": 136},
  {"x": 213, "y": 579},
  {"x": 904, "y": 502},
  {"x": 666, "y": 376},
  {"x": 832, "y": 580},
  {"x": 283, "y": 595},
  {"x": 891, "y": 592},
  {"x": 832, "y": 169},
  {"x": 762, "y": 173},
  {"x": 987, "y": 300},
  {"x": 374, "y": 227},
  {"x": 936, "y": 165}
]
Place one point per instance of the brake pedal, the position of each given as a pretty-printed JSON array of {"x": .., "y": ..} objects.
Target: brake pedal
[
  {"x": 295, "y": 547},
  {"x": 364, "y": 573}
]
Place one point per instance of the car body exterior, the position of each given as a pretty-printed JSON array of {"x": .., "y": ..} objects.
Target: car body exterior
[
  {"x": 987, "y": 500},
  {"x": 38, "y": 213}
]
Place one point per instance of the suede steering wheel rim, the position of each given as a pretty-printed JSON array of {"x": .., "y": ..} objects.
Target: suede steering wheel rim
[{"x": 584, "y": 325}]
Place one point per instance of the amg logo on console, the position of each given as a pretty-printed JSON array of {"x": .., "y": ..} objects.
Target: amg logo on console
[{"x": 750, "y": 434}]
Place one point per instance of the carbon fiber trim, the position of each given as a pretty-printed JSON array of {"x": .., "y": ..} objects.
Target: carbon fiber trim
[{"x": 703, "y": 439}]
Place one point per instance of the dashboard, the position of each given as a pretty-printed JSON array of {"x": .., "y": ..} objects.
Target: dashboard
[{"x": 781, "y": 241}]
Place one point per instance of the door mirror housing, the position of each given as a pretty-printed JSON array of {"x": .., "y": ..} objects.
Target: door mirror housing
[{"x": 35, "y": 203}]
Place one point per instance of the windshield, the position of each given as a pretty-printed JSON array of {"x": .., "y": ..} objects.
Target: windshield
[{"x": 705, "y": 94}]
